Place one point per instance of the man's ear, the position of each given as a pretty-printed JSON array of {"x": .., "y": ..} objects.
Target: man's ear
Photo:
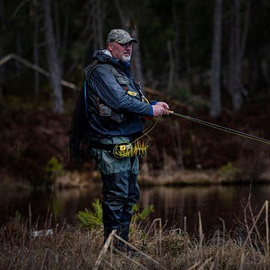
[{"x": 110, "y": 47}]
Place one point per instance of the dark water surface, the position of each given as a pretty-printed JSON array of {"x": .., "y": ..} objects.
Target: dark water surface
[{"x": 171, "y": 204}]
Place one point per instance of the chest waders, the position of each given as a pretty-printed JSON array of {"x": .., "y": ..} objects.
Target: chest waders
[{"x": 119, "y": 175}]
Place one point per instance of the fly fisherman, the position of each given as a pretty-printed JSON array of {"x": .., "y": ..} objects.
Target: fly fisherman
[{"x": 115, "y": 113}]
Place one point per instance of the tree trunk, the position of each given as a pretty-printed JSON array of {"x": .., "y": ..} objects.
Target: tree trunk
[
  {"x": 56, "y": 24},
  {"x": 234, "y": 58},
  {"x": 57, "y": 33},
  {"x": 173, "y": 53},
  {"x": 256, "y": 77},
  {"x": 35, "y": 47},
  {"x": 2, "y": 20},
  {"x": 66, "y": 27},
  {"x": 53, "y": 60},
  {"x": 188, "y": 32},
  {"x": 127, "y": 24},
  {"x": 18, "y": 48},
  {"x": 215, "y": 108},
  {"x": 137, "y": 63},
  {"x": 231, "y": 72},
  {"x": 171, "y": 69},
  {"x": 97, "y": 24},
  {"x": 236, "y": 52},
  {"x": 175, "y": 44},
  {"x": 237, "y": 97}
]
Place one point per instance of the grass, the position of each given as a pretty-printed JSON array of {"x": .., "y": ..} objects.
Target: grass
[{"x": 246, "y": 247}]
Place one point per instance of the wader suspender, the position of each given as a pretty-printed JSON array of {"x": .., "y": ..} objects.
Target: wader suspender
[{"x": 85, "y": 101}]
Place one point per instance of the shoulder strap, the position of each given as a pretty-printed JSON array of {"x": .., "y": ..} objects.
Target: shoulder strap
[{"x": 85, "y": 100}]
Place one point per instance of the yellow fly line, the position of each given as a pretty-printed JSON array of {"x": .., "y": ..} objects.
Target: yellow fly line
[
  {"x": 221, "y": 128},
  {"x": 139, "y": 148},
  {"x": 136, "y": 147}
]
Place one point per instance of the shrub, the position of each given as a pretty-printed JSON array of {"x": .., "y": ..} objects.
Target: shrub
[{"x": 91, "y": 219}]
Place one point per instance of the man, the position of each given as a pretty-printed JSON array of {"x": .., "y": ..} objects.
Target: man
[{"x": 115, "y": 109}]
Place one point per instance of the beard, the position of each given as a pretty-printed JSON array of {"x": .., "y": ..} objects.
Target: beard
[{"x": 126, "y": 58}]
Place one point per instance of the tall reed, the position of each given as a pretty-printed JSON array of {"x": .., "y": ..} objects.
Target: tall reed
[{"x": 244, "y": 247}]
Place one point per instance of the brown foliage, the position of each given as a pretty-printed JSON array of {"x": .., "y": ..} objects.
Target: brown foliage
[{"x": 30, "y": 138}]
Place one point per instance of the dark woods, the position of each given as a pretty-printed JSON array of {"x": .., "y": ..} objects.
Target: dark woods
[
  {"x": 212, "y": 53},
  {"x": 213, "y": 56}
]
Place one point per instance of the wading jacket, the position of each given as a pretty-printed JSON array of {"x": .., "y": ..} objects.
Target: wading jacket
[{"x": 109, "y": 82}]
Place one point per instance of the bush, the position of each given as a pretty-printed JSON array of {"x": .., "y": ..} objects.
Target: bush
[{"x": 91, "y": 219}]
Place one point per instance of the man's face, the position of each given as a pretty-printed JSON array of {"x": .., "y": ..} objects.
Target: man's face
[{"x": 121, "y": 51}]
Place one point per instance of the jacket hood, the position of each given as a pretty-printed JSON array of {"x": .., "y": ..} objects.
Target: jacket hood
[
  {"x": 100, "y": 56},
  {"x": 104, "y": 56}
]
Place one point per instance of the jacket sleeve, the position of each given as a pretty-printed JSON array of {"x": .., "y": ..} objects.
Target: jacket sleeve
[{"x": 103, "y": 82}]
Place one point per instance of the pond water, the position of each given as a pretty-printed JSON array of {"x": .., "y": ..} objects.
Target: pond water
[{"x": 172, "y": 204}]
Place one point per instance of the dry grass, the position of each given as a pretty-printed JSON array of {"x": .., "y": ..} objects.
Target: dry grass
[{"x": 73, "y": 248}]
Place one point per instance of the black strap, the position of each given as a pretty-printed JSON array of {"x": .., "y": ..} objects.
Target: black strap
[
  {"x": 108, "y": 147},
  {"x": 102, "y": 146}
]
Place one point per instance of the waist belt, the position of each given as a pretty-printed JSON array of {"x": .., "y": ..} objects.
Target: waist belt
[
  {"x": 122, "y": 150},
  {"x": 108, "y": 147}
]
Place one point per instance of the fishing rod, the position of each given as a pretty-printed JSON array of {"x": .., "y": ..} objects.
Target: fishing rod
[{"x": 221, "y": 128}]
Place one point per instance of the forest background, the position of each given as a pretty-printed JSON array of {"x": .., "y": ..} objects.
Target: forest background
[{"x": 208, "y": 59}]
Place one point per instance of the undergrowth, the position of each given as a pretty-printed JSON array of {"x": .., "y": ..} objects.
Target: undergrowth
[{"x": 245, "y": 247}]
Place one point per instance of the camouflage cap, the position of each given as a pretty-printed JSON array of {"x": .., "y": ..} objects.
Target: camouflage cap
[{"x": 120, "y": 36}]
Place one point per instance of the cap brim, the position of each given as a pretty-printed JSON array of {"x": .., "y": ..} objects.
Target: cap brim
[{"x": 127, "y": 40}]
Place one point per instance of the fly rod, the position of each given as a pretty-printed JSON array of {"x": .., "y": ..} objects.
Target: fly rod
[{"x": 221, "y": 128}]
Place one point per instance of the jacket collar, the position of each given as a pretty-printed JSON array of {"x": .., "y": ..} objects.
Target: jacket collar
[{"x": 104, "y": 56}]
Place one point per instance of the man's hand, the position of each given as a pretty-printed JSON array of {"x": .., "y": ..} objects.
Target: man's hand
[
  {"x": 165, "y": 106},
  {"x": 160, "y": 108}
]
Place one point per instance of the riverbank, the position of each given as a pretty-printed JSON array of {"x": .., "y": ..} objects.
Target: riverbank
[
  {"x": 225, "y": 176},
  {"x": 179, "y": 178},
  {"x": 202, "y": 177},
  {"x": 76, "y": 179}
]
